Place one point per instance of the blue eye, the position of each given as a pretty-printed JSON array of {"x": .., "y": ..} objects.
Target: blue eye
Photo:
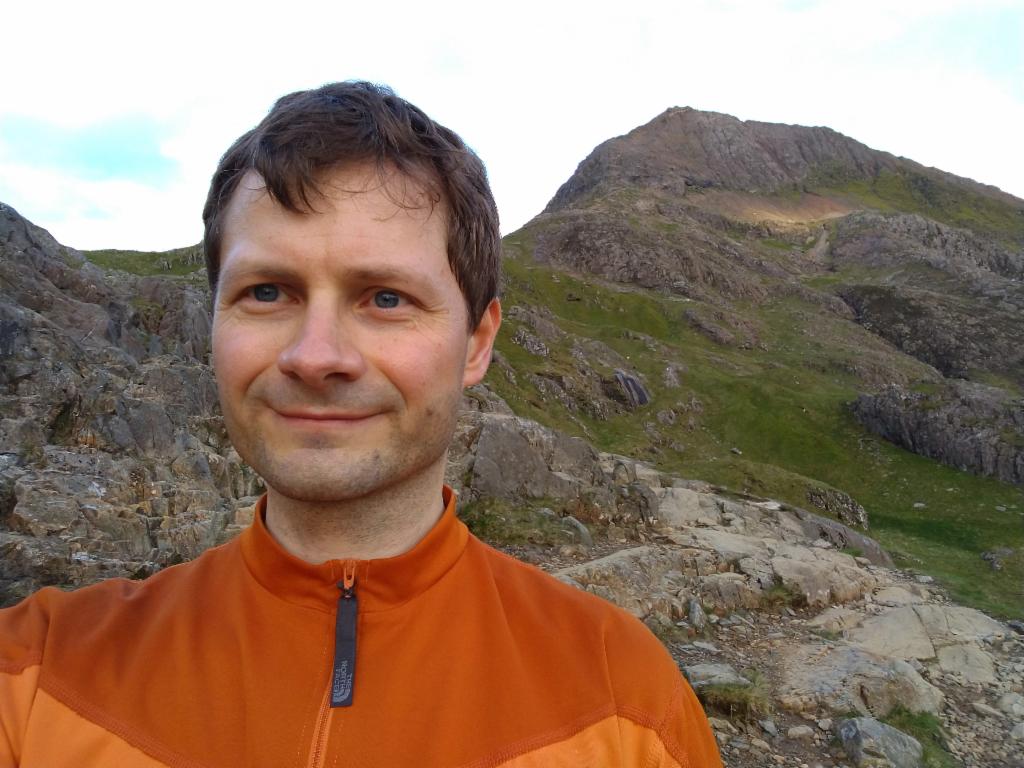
[
  {"x": 386, "y": 299},
  {"x": 266, "y": 292}
]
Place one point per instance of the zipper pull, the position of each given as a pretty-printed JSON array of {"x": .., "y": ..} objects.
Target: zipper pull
[{"x": 344, "y": 673}]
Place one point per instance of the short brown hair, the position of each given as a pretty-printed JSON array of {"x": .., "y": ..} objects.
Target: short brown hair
[{"x": 308, "y": 133}]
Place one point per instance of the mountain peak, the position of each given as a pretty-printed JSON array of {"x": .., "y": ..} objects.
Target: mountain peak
[{"x": 685, "y": 148}]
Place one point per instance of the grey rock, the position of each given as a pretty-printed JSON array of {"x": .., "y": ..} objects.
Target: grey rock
[
  {"x": 969, "y": 661},
  {"x": 627, "y": 388},
  {"x": 703, "y": 675},
  {"x": 696, "y": 616},
  {"x": 1011, "y": 703},
  {"x": 513, "y": 458},
  {"x": 679, "y": 507},
  {"x": 844, "y": 679},
  {"x": 802, "y": 732},
  {"x": 769, "y": 727},
  {"x": 579, "y": 530},
  {"x": 871, "y": 744}
]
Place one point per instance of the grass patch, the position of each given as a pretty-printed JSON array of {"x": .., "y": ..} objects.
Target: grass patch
[
  {"x": 927, "y": 729},
  {"x": 179, "y": 261},
  {"x": 910, "y": 191},
  {"x": 499, "y": 522},
  {"x": 743, "y": 701},
  {"x": 780, "y": 596}
]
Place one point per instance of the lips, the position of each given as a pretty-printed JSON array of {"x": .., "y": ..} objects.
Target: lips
[{"x": 305, "y": 415}]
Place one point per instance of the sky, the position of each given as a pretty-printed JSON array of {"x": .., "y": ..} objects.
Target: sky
[{"x": 113, "y": 115}]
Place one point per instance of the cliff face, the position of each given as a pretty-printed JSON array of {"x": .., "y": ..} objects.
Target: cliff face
[
  {"x": 113, "y": 457},
  {"x": 969, "y": 426}
]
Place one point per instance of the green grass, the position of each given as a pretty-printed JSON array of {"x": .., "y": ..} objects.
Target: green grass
[
  {"x": 780, "y": 596},
  {"x": 910, "y": 191},
  {"x": 500, "y": 523},
  {"x": 743, "y": 701},
  {"x": 786, "y": 409},
  {"x": 179, "y": 261},
  {"x": 927, "y": 729}
]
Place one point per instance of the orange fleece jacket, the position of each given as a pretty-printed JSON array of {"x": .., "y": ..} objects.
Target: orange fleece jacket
[{"x": 464, "y": 657}]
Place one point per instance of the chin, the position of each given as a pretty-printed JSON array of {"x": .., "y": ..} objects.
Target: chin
[{"x": 325, "y": 479}]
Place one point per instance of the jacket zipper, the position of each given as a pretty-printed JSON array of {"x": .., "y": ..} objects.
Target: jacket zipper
[
  {"x": 339, "y": 690},
  {"x": 323, "y": 722},
  {"x": 344, "y": 672}
]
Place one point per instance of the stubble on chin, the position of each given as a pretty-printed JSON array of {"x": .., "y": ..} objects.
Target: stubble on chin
[{"x": 321, "y": 471}]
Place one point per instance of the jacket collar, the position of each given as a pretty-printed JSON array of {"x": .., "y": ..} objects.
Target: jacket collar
[{"x": 380, "y": 584}]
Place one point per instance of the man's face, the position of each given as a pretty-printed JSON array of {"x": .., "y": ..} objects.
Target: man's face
[{"x": 340, "y": 338}]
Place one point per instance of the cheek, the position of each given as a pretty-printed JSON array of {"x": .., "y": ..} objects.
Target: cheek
[
  {"x": 422, "y": 366},
  {"x": 238, "y": 355}
]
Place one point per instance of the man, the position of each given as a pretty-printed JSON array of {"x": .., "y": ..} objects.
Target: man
[{"x": 352, "y": 248}]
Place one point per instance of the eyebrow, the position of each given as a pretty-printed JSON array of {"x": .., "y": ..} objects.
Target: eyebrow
[{"x": 277, "y": 272}]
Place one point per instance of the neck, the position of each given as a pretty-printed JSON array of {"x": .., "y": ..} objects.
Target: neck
[{"x": 386, "y": 523}]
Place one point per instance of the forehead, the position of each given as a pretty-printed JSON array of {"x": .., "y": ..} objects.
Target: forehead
[
  {"x": 379, "y": 192},
  {"x": 358, "y": 214}
]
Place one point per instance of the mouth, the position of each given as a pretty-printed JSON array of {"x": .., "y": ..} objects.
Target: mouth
[{"x": 324, "y": 418}]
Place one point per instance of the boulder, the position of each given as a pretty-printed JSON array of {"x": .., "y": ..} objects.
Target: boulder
[
  {"x": 871, "y": 744},
  {"x": 969, "y": 661},
  {"x": 729, "y": 591},
  {"x": 898, "y": 633},
  {"x": 704, "y": 675},
  {"x": 836, "y": 619},
  {"x": 821, "y": 576},
  {"x": 679, "y": 507},
  {"x": 1012, "y": 704},
  {"x": 641, "y": 580},
  {"x": 513, "y": 458},
  {"x": 845, "y": 678},
  {"x": 731, "y": 547}
]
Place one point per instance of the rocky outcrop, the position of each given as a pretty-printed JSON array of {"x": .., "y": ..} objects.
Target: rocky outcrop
[
  {"x": 969, "y": 426},
  {"x": 878, "y": 240},
  {"x": 950, "y": 297},
  {"x": 954, "y": 334},
  {"x": 870, "y": 744},
  {"x": 113, "y": 455},
  {"x": 666, "y": 251},
  {"x": 841, "y": 678}
]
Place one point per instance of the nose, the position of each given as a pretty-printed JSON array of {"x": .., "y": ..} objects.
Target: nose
[{"x": 321, "y": 351}]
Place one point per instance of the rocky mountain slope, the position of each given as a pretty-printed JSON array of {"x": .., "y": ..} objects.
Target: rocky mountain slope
[{"x": 794, "y": 267}]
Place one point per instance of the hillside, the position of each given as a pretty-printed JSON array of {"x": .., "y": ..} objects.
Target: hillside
[{"x": 760, "y": 279}]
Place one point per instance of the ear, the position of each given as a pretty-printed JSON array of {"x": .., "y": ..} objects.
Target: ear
[{"x": 481, "y": 343}]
